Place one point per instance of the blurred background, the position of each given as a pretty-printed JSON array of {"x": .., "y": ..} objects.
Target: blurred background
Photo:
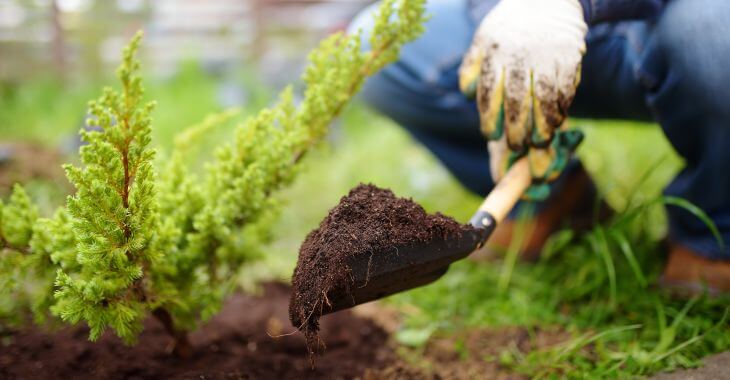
[
  {"x": 200, "y": 57},
  {"x": 82, "y": 38},
  {"x": 55, "y": 52}
]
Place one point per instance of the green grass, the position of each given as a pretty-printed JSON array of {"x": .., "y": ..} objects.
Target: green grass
[
  {"x": 50, "y": 113},
  {"x": 589, "y": 288},
  {"x": 42, "y": 110}
]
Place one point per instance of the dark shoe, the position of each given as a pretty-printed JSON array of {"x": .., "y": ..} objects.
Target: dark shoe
[
  {"x": 572, "y": 207},
  {"x": 688, "y": 273}
]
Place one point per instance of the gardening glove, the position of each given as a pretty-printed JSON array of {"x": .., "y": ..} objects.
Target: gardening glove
[{"x": 524, "y": 67}]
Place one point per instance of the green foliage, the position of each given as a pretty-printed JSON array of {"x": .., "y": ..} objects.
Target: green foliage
[
  {"x": 131, "y": 243},
  {"x": 224, "y": 231},
  {"x": 114, "y": 211},
  {"x": 18, "y": 216},
  {"x": 338, "y": 67},
  {"x": 16, "y": 223},
  {"x": 30, "y": 250},
  {"x": 52, "y": 247}
]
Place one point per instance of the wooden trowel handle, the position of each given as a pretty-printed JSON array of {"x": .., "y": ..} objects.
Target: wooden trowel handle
[{"x": 504, "y": 196}]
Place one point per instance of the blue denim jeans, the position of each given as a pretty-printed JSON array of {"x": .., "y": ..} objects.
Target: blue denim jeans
[{"x": 674, "y": 70}]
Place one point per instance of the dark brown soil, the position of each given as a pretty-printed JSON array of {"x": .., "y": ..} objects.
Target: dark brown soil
[
  {"x": 369, "y": 220},
  {"x": 235, "y": 344}
]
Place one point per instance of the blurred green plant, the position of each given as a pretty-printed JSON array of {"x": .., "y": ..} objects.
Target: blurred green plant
[
  {"x": 42, "y": 109},
  {"x": 17, "y": 217},
  {"x": 131, "y": 243}
]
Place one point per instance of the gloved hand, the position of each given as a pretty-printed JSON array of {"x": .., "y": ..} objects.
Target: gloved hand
[{"x": 524, "y": 67}]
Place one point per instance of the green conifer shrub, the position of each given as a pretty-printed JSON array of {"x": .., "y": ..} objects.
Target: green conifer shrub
[
  {"x": 134, "y": 241},
  {"x": 17, "y": 218}
]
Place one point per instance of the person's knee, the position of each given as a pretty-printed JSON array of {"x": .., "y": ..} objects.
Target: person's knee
[
  {"x": 421, "y": 89},
  {"x": 378, "y": 86},
  {"x": 692, "y": 35},
  {"x": 694, "y": 25}
]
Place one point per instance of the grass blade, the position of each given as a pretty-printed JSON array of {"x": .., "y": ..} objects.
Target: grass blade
[
  {"x": 693, "y": 339},
  {"x": 518, "y": 240},
  {"x": 698, "y": 213},
  {"x": 628, "y": 252},
  {"x": 586, "y": 339},
  {"x": 642, "y": 180},
  {"x": 600, "y": 244}
]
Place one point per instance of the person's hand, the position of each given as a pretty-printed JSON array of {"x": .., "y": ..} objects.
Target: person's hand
[{"x": 524, "y": 67}]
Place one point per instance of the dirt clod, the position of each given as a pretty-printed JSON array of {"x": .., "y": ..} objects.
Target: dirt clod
[{"x": 369, "y": 220}]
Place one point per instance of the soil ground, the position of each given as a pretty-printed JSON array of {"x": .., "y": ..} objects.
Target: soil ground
[
  {"x": 716, "y": 367},
  {"x": 466, "y": 354},
  {"x": 21, "y": 162},
  {"x": 235, "y": 344}
]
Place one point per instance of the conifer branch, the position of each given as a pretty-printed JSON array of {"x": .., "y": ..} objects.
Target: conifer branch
[
  {"x": 121, "y": 251},
  {"x": 114, "y": 212},
  {"x": 269, "y": 145}
]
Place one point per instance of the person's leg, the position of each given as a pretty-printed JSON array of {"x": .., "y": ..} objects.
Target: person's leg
[
  {"x": 684, "y": 68},
  {"x": 674, "y": 71},
  {"x": 420, "y": 92},
  {"x": 610, "y": 87}
]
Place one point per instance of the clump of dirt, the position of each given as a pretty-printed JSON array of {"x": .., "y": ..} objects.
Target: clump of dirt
[
  {"x": 235, "y": 344},
  {"x": 369, "y": 220}
]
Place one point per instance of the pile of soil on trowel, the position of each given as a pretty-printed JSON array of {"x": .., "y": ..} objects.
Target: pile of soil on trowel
[{"x": 369, "y": 220}]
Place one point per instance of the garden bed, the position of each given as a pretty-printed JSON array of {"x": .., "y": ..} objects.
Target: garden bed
[{"x": 234, "y": 344}]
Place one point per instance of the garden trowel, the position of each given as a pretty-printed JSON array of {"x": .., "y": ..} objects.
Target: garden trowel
[{"x": 380, "y": 275}]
